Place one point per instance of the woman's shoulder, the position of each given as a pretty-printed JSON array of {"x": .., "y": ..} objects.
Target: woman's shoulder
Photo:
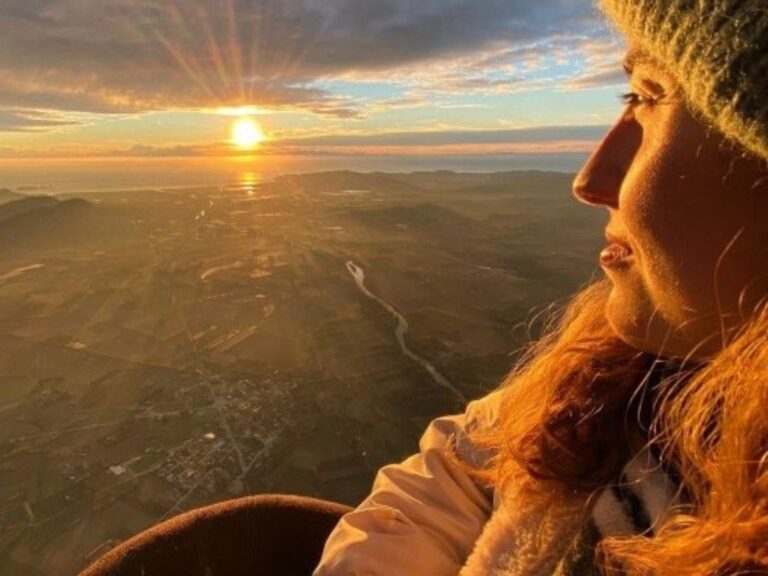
[{"x": 484, "y": 412}]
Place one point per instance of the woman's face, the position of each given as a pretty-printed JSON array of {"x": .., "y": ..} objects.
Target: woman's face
[{"x": 694, "y": 212}]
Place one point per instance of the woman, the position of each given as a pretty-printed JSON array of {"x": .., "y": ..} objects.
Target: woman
[{"x": 632, "y": 438}]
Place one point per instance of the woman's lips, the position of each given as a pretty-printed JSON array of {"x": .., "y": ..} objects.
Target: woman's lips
[{"x": 615, "y": 254}]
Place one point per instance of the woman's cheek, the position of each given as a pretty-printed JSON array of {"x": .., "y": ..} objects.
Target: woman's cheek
[{"x": 663, "y": 240}]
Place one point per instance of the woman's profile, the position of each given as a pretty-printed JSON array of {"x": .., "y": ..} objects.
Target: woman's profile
[{"x": 631, "y": 438}]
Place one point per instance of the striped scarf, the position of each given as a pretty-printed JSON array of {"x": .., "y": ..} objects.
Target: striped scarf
[
  {"x": 561, "y": 540},
  {"x": 635, "y": 505}
]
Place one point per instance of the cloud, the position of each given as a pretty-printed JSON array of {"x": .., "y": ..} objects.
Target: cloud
[
  {"x": 30, "y": 121},
  {"x": 537, "y": 134},
  {"x": 602, "y": 65},
  {"x": 555, "y": 63},
  {"x": 534, "y": 140},
  {"x": 132, "y": 56}
]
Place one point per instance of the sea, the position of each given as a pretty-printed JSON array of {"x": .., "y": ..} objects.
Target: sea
[{"x": 62, "y": 176}]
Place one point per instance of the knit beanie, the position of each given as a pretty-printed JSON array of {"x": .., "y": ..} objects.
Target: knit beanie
[{"x": 718, "y": 52}]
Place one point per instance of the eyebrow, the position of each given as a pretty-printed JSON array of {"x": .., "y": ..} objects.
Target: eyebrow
[{"x": 638, "y": 57}]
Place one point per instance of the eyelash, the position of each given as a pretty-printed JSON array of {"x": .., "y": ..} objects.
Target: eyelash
[{"x": 633, "y": 100}]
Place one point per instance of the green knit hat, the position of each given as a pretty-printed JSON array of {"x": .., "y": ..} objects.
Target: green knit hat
[{"x": 718, "y": 52}]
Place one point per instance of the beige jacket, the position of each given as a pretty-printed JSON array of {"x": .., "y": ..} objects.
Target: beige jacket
[
  {"x": 427, "y": 517},
  {"x": 423, "y": 515}
]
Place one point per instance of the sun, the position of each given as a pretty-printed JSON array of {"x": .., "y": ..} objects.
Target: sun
[{"x": 246, "y": 133}]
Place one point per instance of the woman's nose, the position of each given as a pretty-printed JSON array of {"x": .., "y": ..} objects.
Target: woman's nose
[{"x": 599, "y": 180}]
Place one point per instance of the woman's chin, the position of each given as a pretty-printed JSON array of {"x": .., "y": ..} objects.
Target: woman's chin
[
  {"x": 632, "y": 319},
  {"x": 640, "y": 324}
]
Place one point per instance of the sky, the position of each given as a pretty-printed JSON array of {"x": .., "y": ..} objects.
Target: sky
[{"x": 170, "y": 78}]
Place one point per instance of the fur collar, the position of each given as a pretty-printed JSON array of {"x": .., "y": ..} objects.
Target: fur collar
[{"x": 529, "y": 544}]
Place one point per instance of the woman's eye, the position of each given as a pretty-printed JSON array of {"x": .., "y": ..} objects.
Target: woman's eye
[{"x": 634, "y": 99}]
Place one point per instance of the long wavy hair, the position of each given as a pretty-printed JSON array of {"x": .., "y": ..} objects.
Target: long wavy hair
[{"x": 579, "y": 398}]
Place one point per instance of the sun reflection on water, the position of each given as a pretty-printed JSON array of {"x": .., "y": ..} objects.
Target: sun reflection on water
[{"x": 249, "y": 182}]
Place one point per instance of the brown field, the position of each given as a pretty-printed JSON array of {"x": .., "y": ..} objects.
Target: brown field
[{"x": 162, "y": 350}]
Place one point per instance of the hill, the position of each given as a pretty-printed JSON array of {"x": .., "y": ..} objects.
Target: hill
[
  {"x": 7, "y": 195},
  {"x": 341, "y": 181},
  {"x": 44, "y": 220},
  {"x": 24, "y": 204}
]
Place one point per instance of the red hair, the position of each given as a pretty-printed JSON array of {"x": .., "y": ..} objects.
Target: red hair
[{"x": 569, "y": 416}]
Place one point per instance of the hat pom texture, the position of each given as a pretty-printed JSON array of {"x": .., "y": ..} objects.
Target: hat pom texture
[{"x": 718, "y": 52}]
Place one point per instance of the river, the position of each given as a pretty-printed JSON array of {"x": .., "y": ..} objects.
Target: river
[{"x": 402, "y": 329}]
